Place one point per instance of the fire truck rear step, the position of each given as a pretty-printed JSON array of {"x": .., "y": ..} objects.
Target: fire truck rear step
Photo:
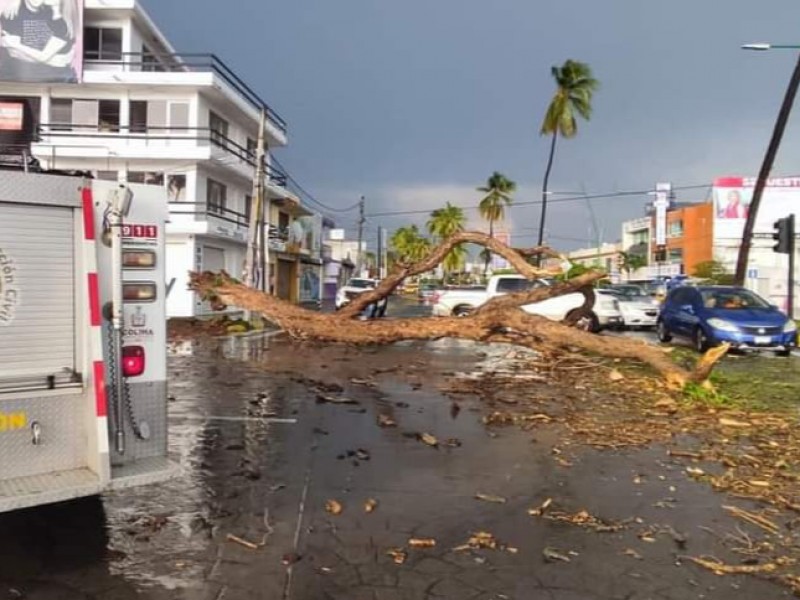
[
  {"x": 144, "y": 471},
  {"x": 32, "y": 490}
]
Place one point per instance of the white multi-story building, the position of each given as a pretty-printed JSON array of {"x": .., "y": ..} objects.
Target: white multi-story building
[{"x": 143, "y": 113}]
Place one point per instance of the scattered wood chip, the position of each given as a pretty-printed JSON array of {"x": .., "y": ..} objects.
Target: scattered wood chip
[
  {"x": 538, "y": 512},
  {"x": 752, "y": 518},
  {"x": 615, "y": 375},
  {"x": 398, "y": 555},
  {"x": 430, "y": 440},
  {"x": 490, "y": 498},
  {"x": 242, "y": 542},
  {"x": 370, "y": 505},
  {"x": 633, "y": 554},
  {"x": 327, "y": 399},
  {"x": 386, "y": 421},
  {"x": 553, "y": 555},
  {"x": 734, "y": 423},
  {"x": 422, "y": 543},
  {"x": 722, "y": 569},
  {"x": 334, "y": 507},
  {"x": 695, "y": 472}
]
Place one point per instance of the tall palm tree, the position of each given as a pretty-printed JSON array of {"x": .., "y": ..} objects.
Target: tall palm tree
[
  {"x": 575, "y": 87},
  {"x": 446, "y": 222},
  {"x": 498, "y": 190}
]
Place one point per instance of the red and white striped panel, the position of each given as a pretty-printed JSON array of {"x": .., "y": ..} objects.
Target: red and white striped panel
[{"x": 98, "y": 379}]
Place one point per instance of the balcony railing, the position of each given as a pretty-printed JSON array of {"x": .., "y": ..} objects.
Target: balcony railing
[
  {"x": 149, "y": 136},
  {"x": 239, "y": 219},
  {"x": 187, "y": 62}
]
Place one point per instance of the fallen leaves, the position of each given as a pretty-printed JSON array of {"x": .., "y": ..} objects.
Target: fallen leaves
[
  {"x": 752, "y": 518},
  {"x": 398, "y": 555},
  {"x": 580, "y": 519},
  {"x": 554, "y": 555},
  {"x": 328, "y": 399},
  {"x": 734, "y": 424},
  {"x": 428, "y": 439},
  {"x": 385, "y": 420},
  {"x": 483, "y": 540},
  {"x": 721, "y": 568},
  {"x": 615, "y": 376}
]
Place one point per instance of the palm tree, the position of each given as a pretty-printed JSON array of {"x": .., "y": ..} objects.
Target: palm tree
[
  {"x": 498, "y": 190},
  {"x": 444, "y": 223},
  {"x": 447, "y": 221},
  {"x": 409, "y": 244},
  {"x": 575, "y": 87}
]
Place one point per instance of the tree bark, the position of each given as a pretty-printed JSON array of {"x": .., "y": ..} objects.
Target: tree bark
[
  {"x": 545, "y": 183},
  {"x": 500, "y": 319}
]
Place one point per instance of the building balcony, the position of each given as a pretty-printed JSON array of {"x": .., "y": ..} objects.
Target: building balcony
[
  {"x": 199, "y": 218},
  {"x": 183, "y": 70},
  {"x": 145, "y": 142}
]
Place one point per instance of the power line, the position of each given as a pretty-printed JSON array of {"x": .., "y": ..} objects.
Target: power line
[
  {"x": 550, "y": 201},
  {"x": 308, "y": 195}
]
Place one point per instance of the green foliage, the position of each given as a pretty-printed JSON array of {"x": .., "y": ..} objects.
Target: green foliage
[
  {"x": 498, "y": 195},
  {"x": 696, "y": 394},
  {"x": 575, "y": 87},
  {"x": 632, "y": 262},
  {"x": 713, "y": 271},
  {"x": 447, "y": 221},
  {"x": 409, "y": 245}
]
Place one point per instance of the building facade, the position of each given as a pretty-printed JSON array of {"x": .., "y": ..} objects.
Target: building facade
[{"x": 144, "y": 114}]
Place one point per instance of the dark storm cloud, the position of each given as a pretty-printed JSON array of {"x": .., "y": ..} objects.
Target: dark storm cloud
[{"x": 416, "y": 102}]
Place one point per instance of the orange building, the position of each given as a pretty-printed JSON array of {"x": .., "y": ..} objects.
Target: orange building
[{"x": 690, "y": 236}]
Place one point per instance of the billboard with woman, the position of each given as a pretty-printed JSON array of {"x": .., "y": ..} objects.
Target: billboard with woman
[{"x": 41, "y": 41}]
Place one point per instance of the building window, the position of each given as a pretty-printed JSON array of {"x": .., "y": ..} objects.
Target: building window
[
  {"x": 675, "y": 255},
  {"x": 150, "y": 62},
  {"x": 102, "y": 43},
  {"x": 248, "y": 207},
  {"x": 106, "y": 175},
  {"x": 138, "y": 116},
  {"x": 219, "y": 128},
  {"x": 283, "y": 223},
  {"x": 216, "y": 197},
  {"x": 147, "y": 177},
  {"x": 252, "y": 149},
  {"x": 675, "y": 229},
  {"x": 61, "y": 114},
  {"x": 108, "y": 115}
]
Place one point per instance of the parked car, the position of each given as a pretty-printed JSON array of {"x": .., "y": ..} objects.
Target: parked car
[
  {"x": 710, "y": 315},
  {"x": 638, "y": 308},
  {"x": 356, "y": 286},
  {"x": 461, "y": 303},
  {"x": 426, "y": 291}
]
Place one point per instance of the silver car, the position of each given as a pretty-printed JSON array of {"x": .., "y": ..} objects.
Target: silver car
[{"x": 638, "y": 308}]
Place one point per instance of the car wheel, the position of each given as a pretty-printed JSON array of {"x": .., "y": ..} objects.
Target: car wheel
[
  {"x": 462, "y": 311},
  {"x": 784, "y": 353},
  {"x": 663, "y": 333},
  {"x": 701, "y": 341}
]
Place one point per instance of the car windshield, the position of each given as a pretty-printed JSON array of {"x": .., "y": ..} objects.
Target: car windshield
[
  {"x": 732, "y": 299},
  {"x": 630, "y": 292},
  {"x": 509, "y": 285},
  {"x": 428, "y": 286},
  {"x": 361, "y": 283}
]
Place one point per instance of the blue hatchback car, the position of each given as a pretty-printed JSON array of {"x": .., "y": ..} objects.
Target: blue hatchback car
[{"x": 710, "y": 315}]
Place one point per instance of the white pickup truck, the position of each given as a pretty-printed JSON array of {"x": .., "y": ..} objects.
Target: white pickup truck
[{"x": 460, "y": 303}]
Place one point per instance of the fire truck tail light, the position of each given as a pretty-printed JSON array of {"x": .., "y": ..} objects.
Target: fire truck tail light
[
  {"x": 138, "y": 259},
  {"x": 132, "y": 361},
  {"x": 138, "y": 292}
]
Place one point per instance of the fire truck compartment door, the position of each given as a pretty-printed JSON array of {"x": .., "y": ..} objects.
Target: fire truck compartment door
[{"x": 37, "y": 296}]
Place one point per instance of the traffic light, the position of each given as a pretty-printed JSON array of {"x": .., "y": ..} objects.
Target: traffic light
[{"x": 784, "y": 234}]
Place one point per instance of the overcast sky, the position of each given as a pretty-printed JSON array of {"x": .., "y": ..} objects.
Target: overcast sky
[{"x": 415, "y": 102}]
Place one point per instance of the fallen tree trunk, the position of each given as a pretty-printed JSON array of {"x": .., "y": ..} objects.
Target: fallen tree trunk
[{"x": 500, "y": 319}]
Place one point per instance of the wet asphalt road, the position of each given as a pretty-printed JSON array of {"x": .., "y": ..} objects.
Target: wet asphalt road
[{"x": 261, "y": 457}]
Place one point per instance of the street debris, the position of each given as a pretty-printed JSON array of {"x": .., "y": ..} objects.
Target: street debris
[
  {"x": 615, "y": 375},
  {"x": 721, "y": 568},
  {"x": 632, "y": 553},
  {"x": 752, "y": 518},
  {"x": 553, "y": 555},
  {"x": 291, "y": 558},
  {"x": 428, "y": 439},
  {"x": 483, "y": 540},
  {"x": 504, "y": 418},
  {"x": 327, "y": 399},
  {"x": 398, "y": 555},
  {"x": 725, "y": 422},
  {"x": 580, "y": 519},
  {"x": 422, "y": 543},
  {"x": 386, "y": 421},
  {"x": 242, "y": 542},
  {"x": 365, "y": 382},
  {"x": 453, "y": 443},
  {"x": 333, "y": 507},
  {"x": 490, "y": 498},
  {"x": 370, "y": 505}
]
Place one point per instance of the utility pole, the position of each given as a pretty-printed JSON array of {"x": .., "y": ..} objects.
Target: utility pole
[
  {"x": 766, "y": 167},
  {"x": 361, "y": 221},
  {"x": 256, "y": 245}
]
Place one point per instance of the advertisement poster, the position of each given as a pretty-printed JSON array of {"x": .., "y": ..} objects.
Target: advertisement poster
[
  {"x": 41, "y": 41},
  {"x": 732, "y": 197}
]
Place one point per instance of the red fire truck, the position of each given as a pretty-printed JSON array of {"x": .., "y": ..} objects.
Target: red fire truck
[{"x": 83, "y": 379}]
